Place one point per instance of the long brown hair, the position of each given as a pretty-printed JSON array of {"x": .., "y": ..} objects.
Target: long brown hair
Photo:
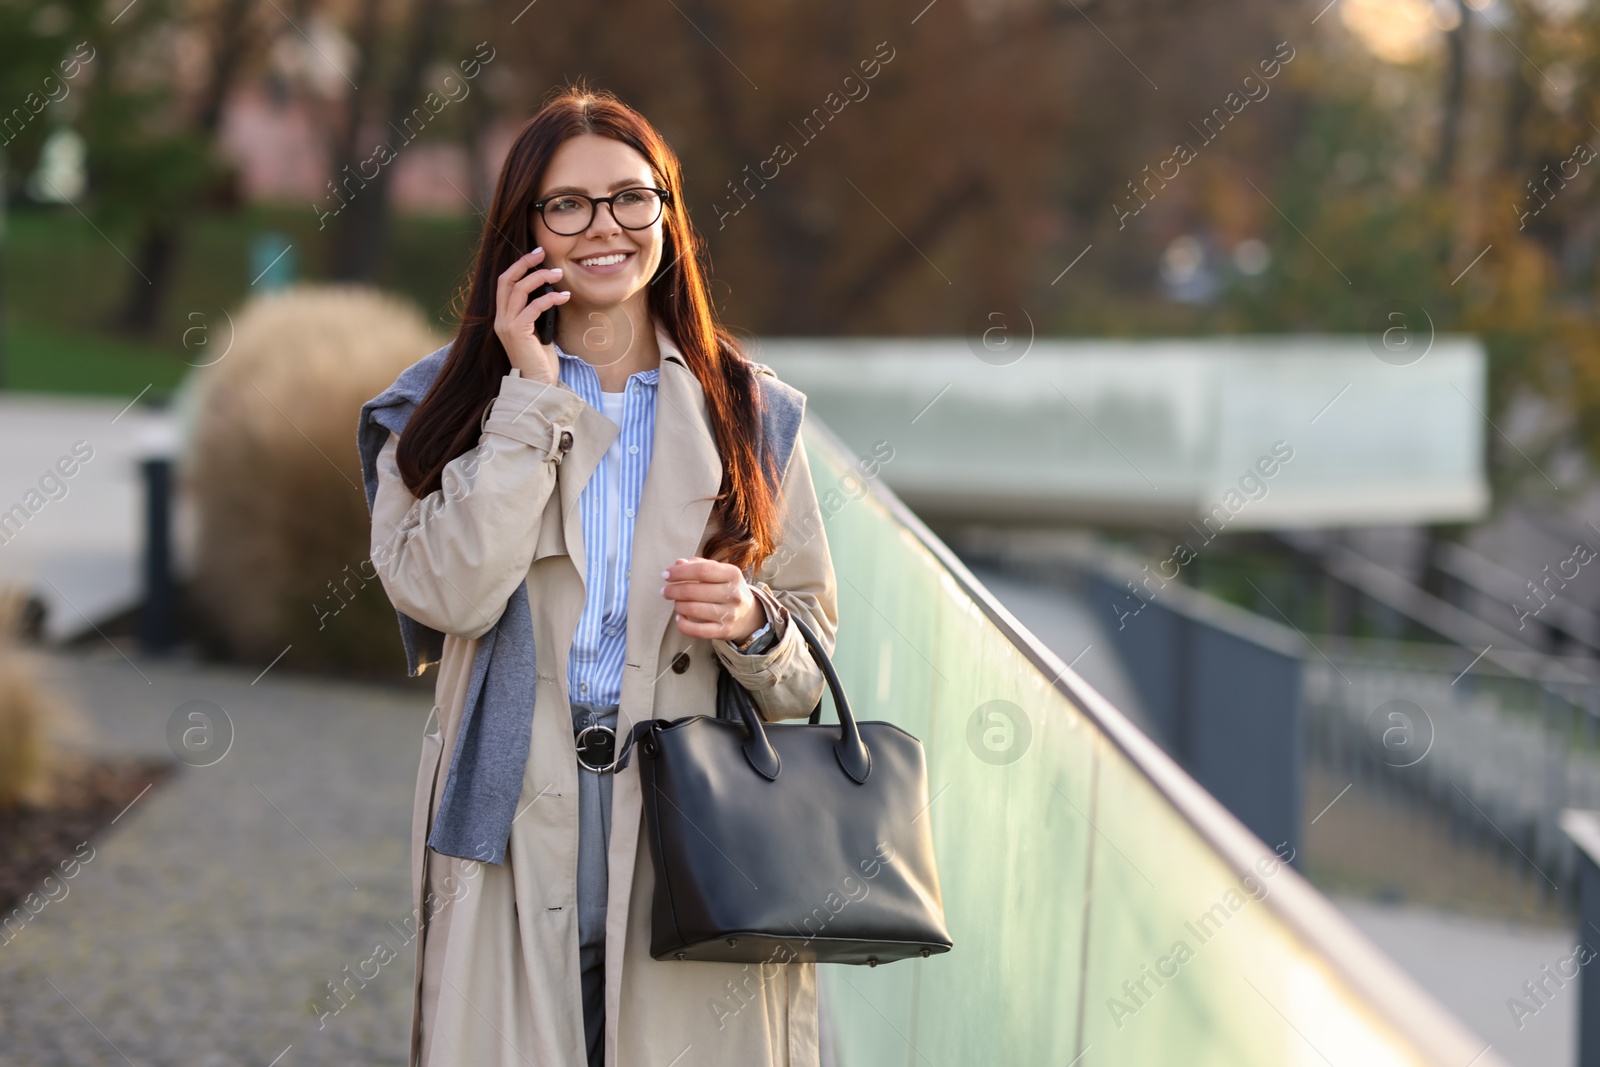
[{"x": 446, "y": 423}]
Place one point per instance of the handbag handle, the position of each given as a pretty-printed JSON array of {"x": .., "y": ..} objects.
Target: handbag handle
[{"x": 850, "y": 750}]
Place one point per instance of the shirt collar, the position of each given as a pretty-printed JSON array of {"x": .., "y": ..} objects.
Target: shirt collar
[{"x": 644, "y": 377}]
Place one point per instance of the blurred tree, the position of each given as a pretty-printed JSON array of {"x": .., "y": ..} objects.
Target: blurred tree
[
  {"x": 149, "y": 166},
  {"x": 360, "y": 233},
  {"x": 905, "y": 168},
  {"x": 1501, "y": 240},
  {"x": 1455, "y": 84},
  {"x": 152, "y": 158},
  {"x": 35, "y": 41}
]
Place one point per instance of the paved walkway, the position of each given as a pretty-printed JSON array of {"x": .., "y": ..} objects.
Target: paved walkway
[
  {"x": 221, "y": 903},
  {"x": 1473, "y": 967}
]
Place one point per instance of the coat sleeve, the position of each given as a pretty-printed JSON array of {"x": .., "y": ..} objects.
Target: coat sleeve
[
  {"x": 451, "y": 559},
  {"x": 784, "y": 681}
]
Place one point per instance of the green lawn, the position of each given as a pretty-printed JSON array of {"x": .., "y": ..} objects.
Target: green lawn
[
  {"x": 64, "y": 282},
  {"x": 42, "y": 359}
]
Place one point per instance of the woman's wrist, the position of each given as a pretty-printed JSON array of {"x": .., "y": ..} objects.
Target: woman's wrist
[
  {"x": 771, "y": 631},
  {"x": 751, "y": 619}
]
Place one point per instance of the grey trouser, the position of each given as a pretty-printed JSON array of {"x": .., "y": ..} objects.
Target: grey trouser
[{"x": 594, "y": 834}]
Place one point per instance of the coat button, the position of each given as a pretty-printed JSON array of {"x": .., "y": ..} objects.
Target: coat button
[
  {"x": 566, "y": 440},
  {"x": 680, "y": 663}
]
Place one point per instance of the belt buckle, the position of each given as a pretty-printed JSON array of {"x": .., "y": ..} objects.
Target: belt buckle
[{"x": 601, "y": 741}]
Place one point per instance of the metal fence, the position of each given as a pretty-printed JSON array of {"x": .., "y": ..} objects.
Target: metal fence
[{"x": 1497, "y": 746}]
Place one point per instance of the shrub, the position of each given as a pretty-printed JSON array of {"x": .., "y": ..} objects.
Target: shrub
[
  {"x": 280, "y": 517},
  {"x": 32, "y": 717}
]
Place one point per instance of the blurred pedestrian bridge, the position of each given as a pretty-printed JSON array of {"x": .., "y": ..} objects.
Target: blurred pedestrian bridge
[{"x": 1320, "y": 431}]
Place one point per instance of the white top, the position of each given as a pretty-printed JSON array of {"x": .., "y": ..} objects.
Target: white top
[{"x": 611, "y": 408}]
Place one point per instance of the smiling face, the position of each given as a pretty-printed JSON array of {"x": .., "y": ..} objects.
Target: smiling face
[{"x": 605, "y": 265}]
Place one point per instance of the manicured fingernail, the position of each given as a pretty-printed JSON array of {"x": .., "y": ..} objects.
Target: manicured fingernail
[
  {"x": 668, "y": 574},
  {"x": 663, "y": 590},
  {"x": 555, "y": 270},
  {"x": 536, "y": 248}
]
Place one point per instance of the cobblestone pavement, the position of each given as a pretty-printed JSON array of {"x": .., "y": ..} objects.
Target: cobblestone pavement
[{"x": 216, "y": 910}]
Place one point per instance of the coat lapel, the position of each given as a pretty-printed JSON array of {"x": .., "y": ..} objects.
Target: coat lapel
[{"x": 674, "y": 505}]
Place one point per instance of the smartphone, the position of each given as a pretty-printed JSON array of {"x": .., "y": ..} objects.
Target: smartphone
[{"x": 544, "y": 327}]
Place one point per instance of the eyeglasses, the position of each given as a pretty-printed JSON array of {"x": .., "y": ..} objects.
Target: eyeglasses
[{"x": 633, "y": 209}]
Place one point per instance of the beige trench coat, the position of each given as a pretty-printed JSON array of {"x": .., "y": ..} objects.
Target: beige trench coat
[{"x": 496, "y": 967}]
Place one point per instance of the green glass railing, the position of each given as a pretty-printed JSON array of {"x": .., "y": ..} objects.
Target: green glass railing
[{"x": 1105, "y": 909}]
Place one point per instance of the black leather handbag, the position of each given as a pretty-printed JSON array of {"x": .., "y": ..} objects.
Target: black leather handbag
[{"x": 788, "y": 842}]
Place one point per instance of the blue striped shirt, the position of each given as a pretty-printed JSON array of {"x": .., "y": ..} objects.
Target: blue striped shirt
[{"x": 608, "y": 502}]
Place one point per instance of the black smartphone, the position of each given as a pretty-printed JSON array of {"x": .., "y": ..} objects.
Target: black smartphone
[{"x": 544, "y": 327}]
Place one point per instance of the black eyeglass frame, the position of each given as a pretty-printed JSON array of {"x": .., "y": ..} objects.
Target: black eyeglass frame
[{"x": 664, "y": 195}]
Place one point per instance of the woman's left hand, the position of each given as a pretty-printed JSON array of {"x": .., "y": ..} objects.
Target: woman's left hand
[{"x": 711, "y": 599}]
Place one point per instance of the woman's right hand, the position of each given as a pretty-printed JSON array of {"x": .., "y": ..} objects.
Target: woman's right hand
[{"x": 515, "y": 315}]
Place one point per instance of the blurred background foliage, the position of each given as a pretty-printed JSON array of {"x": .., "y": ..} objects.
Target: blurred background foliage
[{"x": 1408, "y": 153}]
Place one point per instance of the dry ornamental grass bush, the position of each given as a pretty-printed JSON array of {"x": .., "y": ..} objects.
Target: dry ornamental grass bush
[
  {"x": 32, "y": 718},
  {"x": 54, "y": 794},
  {"x": 281, "y": 553}
]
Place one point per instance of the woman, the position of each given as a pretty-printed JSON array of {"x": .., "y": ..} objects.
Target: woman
[{"x": 626, "y": 477}]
